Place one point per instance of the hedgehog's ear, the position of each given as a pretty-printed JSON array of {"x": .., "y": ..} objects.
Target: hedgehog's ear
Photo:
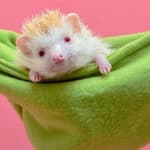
[
  {"x": 74, "y": 20},
  {"x": 21, "y": 44}
]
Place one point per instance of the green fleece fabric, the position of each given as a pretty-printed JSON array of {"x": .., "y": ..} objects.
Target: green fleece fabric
[{"x": 84, "y": 110}]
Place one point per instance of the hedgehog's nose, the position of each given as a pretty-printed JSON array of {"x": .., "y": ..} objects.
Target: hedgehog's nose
[{"x": 58, "y": 58}]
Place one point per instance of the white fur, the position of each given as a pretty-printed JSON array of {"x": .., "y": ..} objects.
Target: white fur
[{"x": 79, "y": 52}]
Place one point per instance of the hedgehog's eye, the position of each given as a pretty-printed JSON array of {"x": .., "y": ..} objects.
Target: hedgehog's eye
[
  {"x": 67, "y": 39},
  {"x": 42, "y": 52}
]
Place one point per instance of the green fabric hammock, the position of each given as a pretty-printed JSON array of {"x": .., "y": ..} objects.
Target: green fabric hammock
[{"x": 84, "y": 110}]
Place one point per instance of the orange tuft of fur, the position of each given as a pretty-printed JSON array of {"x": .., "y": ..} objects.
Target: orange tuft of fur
[{"x": 42, "y": 23}]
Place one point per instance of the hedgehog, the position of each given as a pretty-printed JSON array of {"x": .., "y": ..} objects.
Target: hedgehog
[{"x": 53, "y": 44}]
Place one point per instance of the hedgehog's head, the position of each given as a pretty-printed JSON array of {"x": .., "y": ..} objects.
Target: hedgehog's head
[{"x": 52, "y": 40}]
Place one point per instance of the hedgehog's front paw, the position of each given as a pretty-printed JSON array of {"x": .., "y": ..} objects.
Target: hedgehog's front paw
[
  {"x": 35, "y": 76},
  {"x": 103, "y": 64},
  {"x": 105, "y": 67}
]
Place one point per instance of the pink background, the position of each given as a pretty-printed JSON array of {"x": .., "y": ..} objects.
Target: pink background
[{"x": 104, "y": 17}]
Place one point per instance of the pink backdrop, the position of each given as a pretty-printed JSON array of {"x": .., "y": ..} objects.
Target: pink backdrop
[{"x": 104, "y": 17}]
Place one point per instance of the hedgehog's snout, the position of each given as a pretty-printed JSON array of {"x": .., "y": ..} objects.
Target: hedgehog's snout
[{"x": 58, "y": 58}]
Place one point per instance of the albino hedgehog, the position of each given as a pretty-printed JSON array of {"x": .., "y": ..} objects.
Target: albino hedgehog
[{"x": 53, "y": 44}]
